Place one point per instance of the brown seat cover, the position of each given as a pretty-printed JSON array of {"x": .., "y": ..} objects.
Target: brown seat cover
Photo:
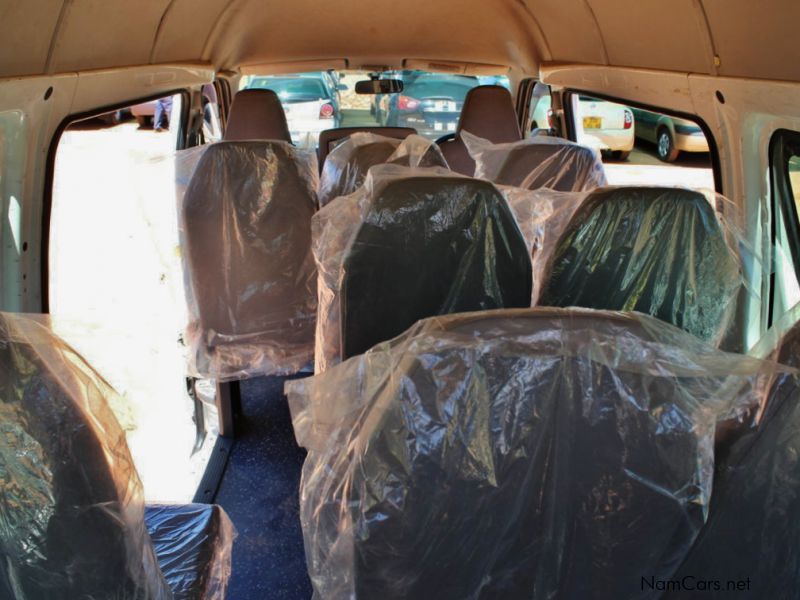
[
  {"x": 488, "y": 113},
  {"x": 247, "y": 248},
  {"x": 257, "y": 115}
]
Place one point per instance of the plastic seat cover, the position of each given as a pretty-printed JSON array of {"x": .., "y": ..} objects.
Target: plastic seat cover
[
  {"x": 540, "y": 453},
  {"x": 246, "y": 245}
]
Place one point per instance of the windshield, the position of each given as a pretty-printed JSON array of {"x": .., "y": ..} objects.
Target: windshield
[{"x": 430, "y": 103}]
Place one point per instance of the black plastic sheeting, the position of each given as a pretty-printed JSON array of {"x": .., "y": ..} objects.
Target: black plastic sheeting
[
  {"x": 192, "y": 544},
  {"x": 659, "y": 251},
  {"x": 750, "y": 546},
  {"x": 540, "y": 453},
  {"x": 430, "y": 245}
]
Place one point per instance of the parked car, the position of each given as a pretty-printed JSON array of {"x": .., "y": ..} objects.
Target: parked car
[
  {"x": 605, "y": 126},
  {"x": 671, "y": 135},
  {"x": 431, "y": 103},
  {"x": 310, "y": 101}
]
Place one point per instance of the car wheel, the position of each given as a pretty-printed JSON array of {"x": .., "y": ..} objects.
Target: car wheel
[
  {"x": 621, "y": 155},
  {"x": 665, "y": 146},
  {"x": 142, "y": 120}
]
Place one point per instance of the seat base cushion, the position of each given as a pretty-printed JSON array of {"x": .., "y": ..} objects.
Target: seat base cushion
[{"x": 193, "y": 547}]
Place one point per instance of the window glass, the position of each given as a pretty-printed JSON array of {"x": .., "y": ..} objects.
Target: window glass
[
  {"x": 431, "y": 103},
  {"x": 115, "y": 284},
  {"x": 785, "y": 210},
  {"x": 642, "y": 147},
  {"x": 13, "y": 148}
]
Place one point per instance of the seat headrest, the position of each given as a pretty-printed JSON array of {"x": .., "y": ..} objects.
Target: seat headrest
[
  {"x": 257, "y": 115},
  {"x": 489, "y": 113},
  {"x": 660, "y": 251}
]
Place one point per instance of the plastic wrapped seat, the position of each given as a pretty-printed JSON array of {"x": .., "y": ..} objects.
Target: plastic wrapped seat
[
  {"x": 539, "y": 453},
  {"x": 413, "y": 243},
  {"x": 752, "y": 535},
  {"x": 250, "y": 279},
  {"x": 660, "y": 251},
  {"x": 537, "y": 162},
  {"x": 346, "y": 166},
  {"x": 72, "y": 510}
]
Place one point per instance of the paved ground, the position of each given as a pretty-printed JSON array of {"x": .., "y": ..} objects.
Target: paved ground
[{"x": 117, "y": 284}]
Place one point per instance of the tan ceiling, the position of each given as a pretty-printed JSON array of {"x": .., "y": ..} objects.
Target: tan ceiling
[{"x": 750, "y": 38}]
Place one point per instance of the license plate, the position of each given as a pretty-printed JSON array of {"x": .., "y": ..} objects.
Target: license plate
[
  {"x": 444, "y": 106},
  {"x": 592, "y": 123}
]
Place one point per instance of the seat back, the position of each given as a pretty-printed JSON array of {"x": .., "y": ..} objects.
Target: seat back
[
  {"x": 488, "y": 113},
  {"x": 250, "y": 275},
  {"x": 660, "y": 251},
  {"x": 752, "y": 534},
  {"x": 257, "y": 115},
  {"x": 512, "y": 454},
  {"x": 430, "y": 246},
  {"x": 331, "y": 138},
  {"x": 347, "y": 165},
  {"x": 72, "y": 510},
  {"x": 564, "y": 167}
]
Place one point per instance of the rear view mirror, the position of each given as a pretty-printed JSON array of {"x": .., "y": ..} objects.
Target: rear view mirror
[{"x": 379, "y": 86}]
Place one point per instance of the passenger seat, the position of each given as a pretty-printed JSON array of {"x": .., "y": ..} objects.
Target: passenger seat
[
  {"x": 660, "y": 251},
  {"x": 429, "y": 245},
  {"x": 347, "y": 165},
  {"x": 250, "y": 275},
  {"x": 257, "y": 115},
  {"x": 489, "y": 113},
  {"x": 74, "y": 523}
]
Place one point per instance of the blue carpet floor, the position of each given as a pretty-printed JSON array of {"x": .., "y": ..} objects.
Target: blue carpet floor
[{"x": 259, "y": 491}]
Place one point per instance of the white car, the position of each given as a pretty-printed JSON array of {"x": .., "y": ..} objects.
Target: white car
[
  {"x": 606, "y": 126},
  {"x": 309, "y": 102}
]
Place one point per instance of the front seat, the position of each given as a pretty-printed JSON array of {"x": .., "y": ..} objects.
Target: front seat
[
  {"x": 250, "y": 275},
  {"x": 543, "y": 453},
  {"x": 257, "y": 115},
  {"x": 489, "y": 113},
  {"x": 347, "y": 165},
  {"x": 660, "y": 251},
  {"x": 429, "y": 245},
  {"x": 72, "y": 510}
]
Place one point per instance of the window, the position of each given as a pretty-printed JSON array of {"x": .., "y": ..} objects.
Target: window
[
  {"x": 431, "y": 103},
  {"x": 785, "y": 191},
  {"x": 642, "y": 147},
  {"x": 115, "y": 284}
]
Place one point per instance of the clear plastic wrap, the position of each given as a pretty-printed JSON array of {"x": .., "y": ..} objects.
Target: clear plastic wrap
[
  {"x": 193, "y": 546},
  {"x": 346, "y": 167},
  {"x": 539, "y": 453},
  {"x": 475, "y": 256},
  {"x": 749, "y": 547},
  {"x": 537, "y": 162},
  {"x": 245, "y": 210},
  {"x": 668, "y": 252},
  {"x": 72, "y": 510}
]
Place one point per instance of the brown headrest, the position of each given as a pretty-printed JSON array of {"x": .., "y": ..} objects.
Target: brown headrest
[
  {"x": 257, "y": 115},
  {"x": 488, "y": 113}
]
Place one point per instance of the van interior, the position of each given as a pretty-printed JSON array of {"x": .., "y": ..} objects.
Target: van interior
[{"x": 453, "y": 299}]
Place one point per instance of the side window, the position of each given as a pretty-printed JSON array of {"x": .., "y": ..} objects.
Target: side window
[
  {"x": 785, "y": 191},
  {"x": 212, "y": 127},
  {"x": 642, "y": 147}
]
